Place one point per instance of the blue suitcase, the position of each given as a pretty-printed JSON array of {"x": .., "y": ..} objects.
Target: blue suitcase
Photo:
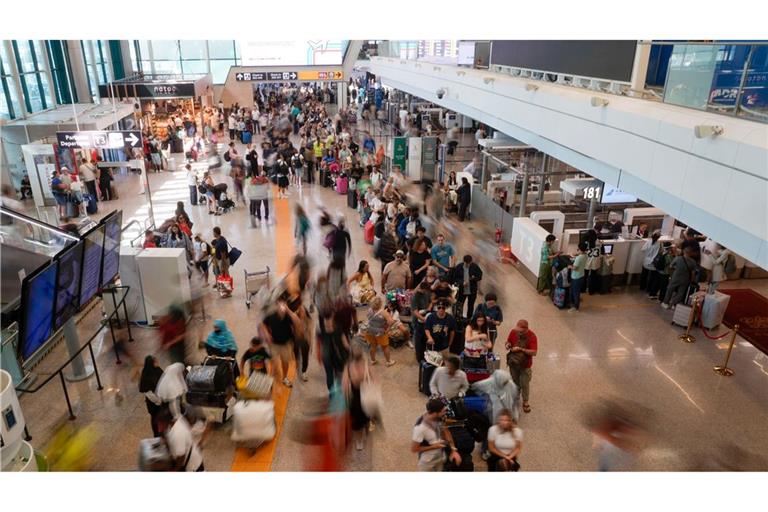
[
  {"x": 90, "y": 204},
  {"x": 247, "y": 137},
  {"x": 558, "y": 298},
  {"x": 476, "y": 403}
]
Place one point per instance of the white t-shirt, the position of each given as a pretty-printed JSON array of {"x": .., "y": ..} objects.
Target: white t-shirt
[
  {"x": 191, "y": 178},
  {"x": 86, "y": 171},
  {"x": 182, "y": 438},
  {"x": 425, "y": 431},
  {"x": 506, "y": 442},
  {"x": 200, "y": 250}
]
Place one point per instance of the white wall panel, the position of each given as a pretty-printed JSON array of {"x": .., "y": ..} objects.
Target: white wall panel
[
  {"x": 668, "y": 169},
  {"x": 751, "y": 155},
  {"x": 745, "y": 204}
]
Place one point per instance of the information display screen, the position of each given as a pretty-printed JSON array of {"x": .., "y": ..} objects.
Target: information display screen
[
  {"x": 112, "y": 224},
  {"x": 466, "y": 53},
  {"x": 92, "y": 260},
  {"x": 612, "y": 195},
  {"x": 38, "y": 296},
  {"x": 293, "y": 53},
  {"x": 68, "y": 284}
]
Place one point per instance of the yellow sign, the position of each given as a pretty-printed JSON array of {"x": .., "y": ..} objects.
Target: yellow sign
[{"x": 321, "y": 75}]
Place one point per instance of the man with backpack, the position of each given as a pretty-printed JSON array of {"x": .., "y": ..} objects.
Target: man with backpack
[
  {"x": 522, "y": 346},
  {"x": 431, "y": 438}
]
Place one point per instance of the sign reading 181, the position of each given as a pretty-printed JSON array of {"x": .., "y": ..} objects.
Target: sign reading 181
[{"x": 594, "y": 192}]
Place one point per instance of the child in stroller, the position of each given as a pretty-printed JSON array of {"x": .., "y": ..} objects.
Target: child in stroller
[{"x": 223, "y": 203}]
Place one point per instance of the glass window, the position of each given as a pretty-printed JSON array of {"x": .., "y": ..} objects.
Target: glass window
[
  {"x": 24, "y": 53},
  {"x": 167, "y": 67},
  {"x": 47, "y": 96},
  {"x": 144, "y": 50},
  {"x": 33, "y": 93},
  {"x": 5, "y": 111},
  {"x": 220, "y": 70},
  {"x": 146, "y": 67},
  {"x": 193, "y": 50},
  {"x": 165, "y": 50},
  {"x": 195, "y": 67},
  {"x": 754, "y": 96},
  {"x": 221, "y": 49},
  {"x": 11, "y": 106},
  {"x": 691, "y": 71}
]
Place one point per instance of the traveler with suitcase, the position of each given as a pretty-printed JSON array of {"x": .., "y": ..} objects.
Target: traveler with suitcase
[
  {"x": 440, "y": 329},
  {"x": 683, "y": 271},
  {"x": 221, "y": 342},
  {"x": 505, "y": 440},
  {"x": 431, "y": 438},
  {"x": 449, "y": 381},
  {"x": 171, "y": 388},
  {"x": 280, "y": 329},
  {"x": 502, "y": 393},
  {"x": 657, "y": 286},
  {"x": 466, "y": 276},
  {"x": 493, "y": 314},
  {"x": 522, "y": 345}
]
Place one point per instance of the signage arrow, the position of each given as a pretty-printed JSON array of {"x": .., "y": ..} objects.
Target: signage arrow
[
  {"x": 293, "y": 75},
  {"x": 239, "y": 76},
  {"x": 133, "y": 139}
]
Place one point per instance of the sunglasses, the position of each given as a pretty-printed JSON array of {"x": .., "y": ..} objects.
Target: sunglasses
[{"x": 440, "y": 307}]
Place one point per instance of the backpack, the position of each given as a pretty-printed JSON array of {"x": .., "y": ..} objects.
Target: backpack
[
  {"x": 227, "y": 158},
  {"x": 330, "y": 239},
  {"x": 730, "y": 264},
  {"x": 660, "y": 261}
]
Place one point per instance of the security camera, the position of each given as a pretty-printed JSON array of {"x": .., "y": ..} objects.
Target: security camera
[
  {"x": 440, "y": 93},
  {"x": 705, "y": 131}
]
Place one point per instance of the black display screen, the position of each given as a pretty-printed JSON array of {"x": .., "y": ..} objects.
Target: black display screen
[
  {"x": 111, "y": 266},
  {"x": 68, "y": 284},
  {"x": 92, "y": 258},
  {"x": 38, "y": 296},
  {"x": 609, "y": 60}
]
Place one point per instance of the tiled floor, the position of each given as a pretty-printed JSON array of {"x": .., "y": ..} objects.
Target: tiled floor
[{"x": 619, "y": 345}]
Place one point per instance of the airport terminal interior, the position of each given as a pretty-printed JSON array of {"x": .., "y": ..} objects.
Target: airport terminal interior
[{"x": 384, "y": 255}]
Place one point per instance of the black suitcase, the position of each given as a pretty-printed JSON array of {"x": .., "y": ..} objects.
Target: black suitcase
[
  {"x": 474, "y": 363},
  {"x": 207, "y": 399},
  {"x": 210, "y": 378},
  {"x": 91, "y": 206},
  {"x": 425, "y": 375},
  {"x": 352, "y": 198}
]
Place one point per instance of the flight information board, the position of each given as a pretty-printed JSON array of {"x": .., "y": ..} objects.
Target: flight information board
[
  {"x": 68, "y": 284},
  {"x": 113, "y": 224},
  {"x": 92, "y": 261},
  {"x": 38, "y": 296}
]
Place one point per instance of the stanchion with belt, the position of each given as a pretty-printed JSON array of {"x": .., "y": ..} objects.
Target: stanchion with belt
[
  {"x": 687, "y": 337},
  {"x": 724, "y": 370}
]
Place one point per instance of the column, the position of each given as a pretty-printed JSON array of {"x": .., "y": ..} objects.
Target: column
[
  {"x": 16, "y": 80},
  {"x": 77, "y": 73},
  {"x": 640, "y": 68}
]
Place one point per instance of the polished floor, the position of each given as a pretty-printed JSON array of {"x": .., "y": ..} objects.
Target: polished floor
[{"x": 618, "y": 345}]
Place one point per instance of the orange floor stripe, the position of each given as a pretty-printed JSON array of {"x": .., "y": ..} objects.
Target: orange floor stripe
[{"x": 247, "y": 459}]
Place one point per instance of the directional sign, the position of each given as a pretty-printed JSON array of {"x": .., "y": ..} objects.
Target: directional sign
[
  {"x": 99, "y": 139},
  {"x": 320, "y": 75},
  {"x": 250, "y": 77}
]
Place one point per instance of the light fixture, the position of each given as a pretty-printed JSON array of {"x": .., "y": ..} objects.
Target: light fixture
[
  {"x": 488, "y": 79},
  {"x": 598, "y": 102},
  {"x": 703, "y": 131},
  {"x": 531, "y": 87}
]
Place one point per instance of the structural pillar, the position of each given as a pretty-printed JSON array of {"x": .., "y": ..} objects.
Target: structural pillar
[
  {"x": 640, "y": 68},
  {"x": 591, "y": 213},
  {"x": 544, "y": 162},
  {"x": 78, "y": 73},
  {"x": 523, "y": 195}
]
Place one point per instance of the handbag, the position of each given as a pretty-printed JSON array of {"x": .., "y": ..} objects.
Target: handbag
[
  {"x": 234, "y": 255},
  {"x": 433, "y": 357},
  {"x": 370, "y": 396},
  {"x": 518, "y": 359}
]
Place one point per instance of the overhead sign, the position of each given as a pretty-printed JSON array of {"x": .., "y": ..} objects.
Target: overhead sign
[
  {"x": 321, "y": 75},
  {"x": 149, "y": 90},
  {"x": 99, "y": 139},
  {"x": 250, "y": 77}
]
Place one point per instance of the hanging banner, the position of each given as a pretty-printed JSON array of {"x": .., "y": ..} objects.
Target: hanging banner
[{"x": 399, "y": 151}]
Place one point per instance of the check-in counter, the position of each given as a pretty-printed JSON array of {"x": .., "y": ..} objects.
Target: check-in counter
[
  {"x": 627, "y": 254},
  {"x": 526, "y": 242}
]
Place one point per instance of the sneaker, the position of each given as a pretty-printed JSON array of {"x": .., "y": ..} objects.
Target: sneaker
[
  {"x": 304, "y": 377},
  {"x": 390, "y": 363},
  {"x": 359, "y": 444},
  {"x": 572, "y": 310},
  {"x": 287, "y": 382},
  {"x": 665, "y": 305},
  {"x": 651, "y": 297},
  {"x": 374, "y": 362},
  {"x": 411, "y": 345}
]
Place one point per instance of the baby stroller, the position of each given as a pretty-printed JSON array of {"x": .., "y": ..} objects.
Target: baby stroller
[{"x": 224, "y": 203}]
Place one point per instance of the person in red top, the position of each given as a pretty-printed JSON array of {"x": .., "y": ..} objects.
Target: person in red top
[
  {"x": 523, "y": 347},
  {"x": 149, "y": 239}
]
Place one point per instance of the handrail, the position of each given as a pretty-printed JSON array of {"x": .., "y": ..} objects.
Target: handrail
[{"x": 88, "y": 344}]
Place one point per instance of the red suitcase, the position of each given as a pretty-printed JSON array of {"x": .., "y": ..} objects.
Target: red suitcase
[{"x": 368, "y": 232}]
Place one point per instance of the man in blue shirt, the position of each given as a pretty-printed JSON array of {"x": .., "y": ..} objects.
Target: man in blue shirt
[{"x": 443, "y": 255}]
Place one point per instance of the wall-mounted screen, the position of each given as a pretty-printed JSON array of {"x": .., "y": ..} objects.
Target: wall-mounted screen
[
  {"x": 113, "y": 224},
  {"x": 68, "y": 284},
  {"x": 38, "y": 295},
  {"x": 293, "y": 53},
  {"x": 466, "y": 53},
  {"x": 92, "y": 259},
  {"x": 609, "y": 60},
  {"x": 612, "y": 195}
]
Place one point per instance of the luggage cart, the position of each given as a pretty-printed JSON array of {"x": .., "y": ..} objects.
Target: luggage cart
[{"x": 254, "y": 281}]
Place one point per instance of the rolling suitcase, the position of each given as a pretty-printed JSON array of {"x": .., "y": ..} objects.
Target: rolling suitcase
[
  {"x": 207, "y": 398},
  {"x": 558, "y": 298},
  {"x": 247, "y": 136},
  {"x": 713, "y": 309},
  {"x": 253, "y": 421},
  {"x": 425, "y": 375},
  {"x": 681, "y": 315},
  {"x": 154, "y": 455},
  {"x": 476, "y": 403},
  {"x": 209, "y": 378},
  {"x": 368, "y": 232},
  {"x": 342, "y": 185},
  {"x": 352, "y": 198},
  {"x": 90, "y": 204}
]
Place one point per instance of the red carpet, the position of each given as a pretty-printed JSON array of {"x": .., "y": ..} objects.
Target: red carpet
[{"x": 749, "y": 309}]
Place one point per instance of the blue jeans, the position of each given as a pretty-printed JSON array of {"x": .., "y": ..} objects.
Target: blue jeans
[{"x": 576, "y": 286}]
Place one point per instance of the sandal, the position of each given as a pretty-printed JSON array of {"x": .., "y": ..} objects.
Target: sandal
[{"x": 526, "y": 408}]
